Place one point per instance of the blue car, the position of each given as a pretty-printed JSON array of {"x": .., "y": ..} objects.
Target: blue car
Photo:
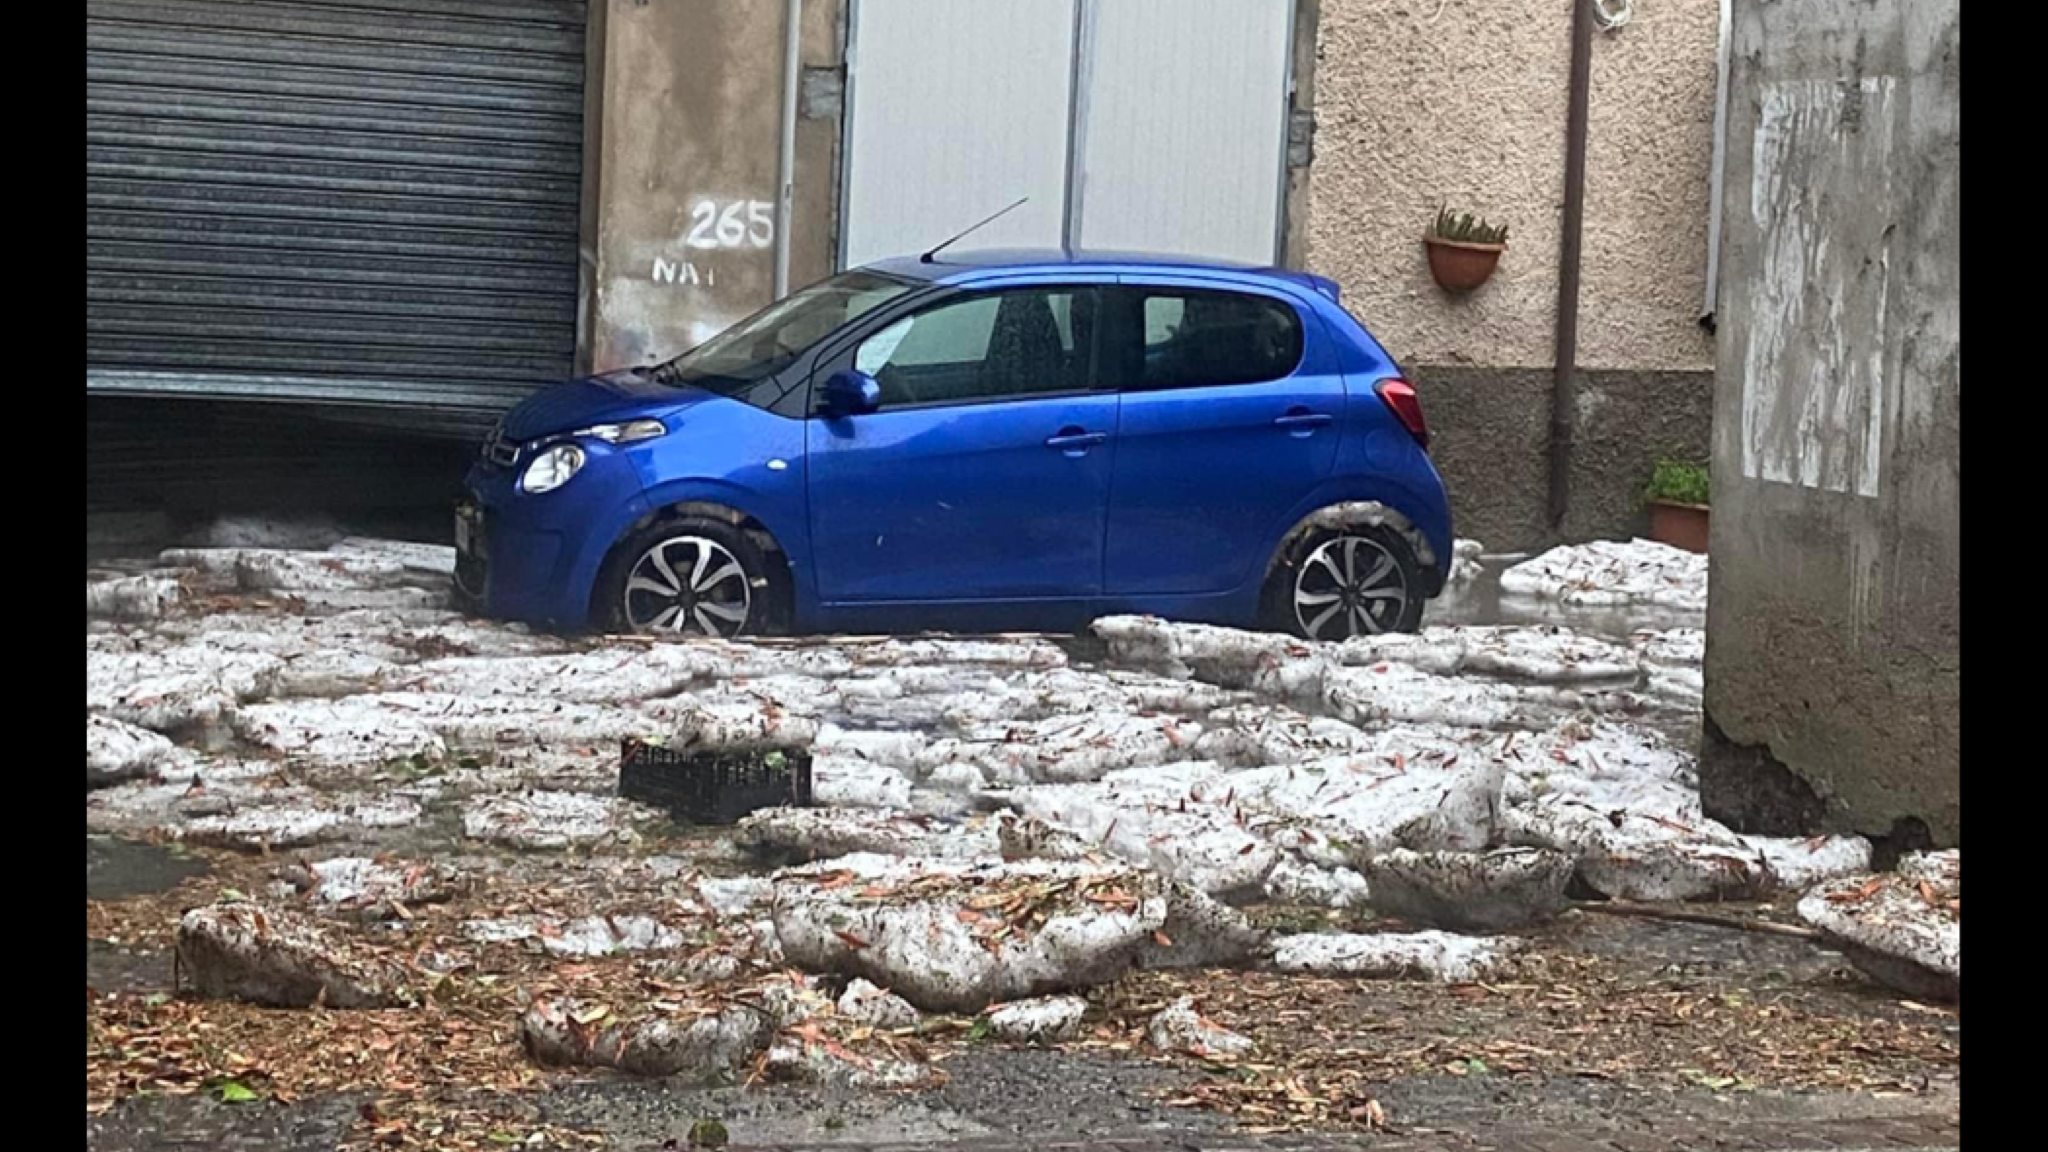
[{"x": 1003, "y": 441}]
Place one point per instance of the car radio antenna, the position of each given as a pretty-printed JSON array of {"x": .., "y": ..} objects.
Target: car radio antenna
[{"x": 927, "y": 257}]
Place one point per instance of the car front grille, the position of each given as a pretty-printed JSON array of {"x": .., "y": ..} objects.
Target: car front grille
[{"x": 498, "y": 450}]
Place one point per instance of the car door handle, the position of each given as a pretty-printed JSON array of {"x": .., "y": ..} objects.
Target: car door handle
[
  {"x": 1301, "y": 422},
  {"x": 1075, "y": 441}
]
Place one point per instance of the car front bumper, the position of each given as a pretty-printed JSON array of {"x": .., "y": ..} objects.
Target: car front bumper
[{"x": 536, "y": 559}]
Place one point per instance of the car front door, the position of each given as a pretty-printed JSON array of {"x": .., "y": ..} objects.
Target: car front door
[
  {"x": 983, "y": 472},
  {"x": 1229, "y": 418}
]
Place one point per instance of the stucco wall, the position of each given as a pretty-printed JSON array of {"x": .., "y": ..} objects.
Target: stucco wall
[
  {"x": 1834, "y": 630},
  {"x": 691, "y": 109},
  {"x": 1419, "y": 103}
]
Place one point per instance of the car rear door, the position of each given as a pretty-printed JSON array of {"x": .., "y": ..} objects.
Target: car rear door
[
  {"x": 984, "y": 473},
  {"x": 1230, "y": 411}
]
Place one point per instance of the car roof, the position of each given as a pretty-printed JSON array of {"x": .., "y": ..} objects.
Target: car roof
[{"x": 965, "y": 267}]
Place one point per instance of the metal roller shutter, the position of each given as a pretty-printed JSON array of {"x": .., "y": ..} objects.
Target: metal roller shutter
[{"x": 340, "y": 202}]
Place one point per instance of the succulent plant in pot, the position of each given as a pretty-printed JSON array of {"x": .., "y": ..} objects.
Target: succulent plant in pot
[
  {"x": 1677, "y": 501},
  {"x": 1463, "y": 249}
]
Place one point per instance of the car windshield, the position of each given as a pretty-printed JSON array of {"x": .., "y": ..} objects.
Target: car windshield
[{"x": 769, "y": 340}]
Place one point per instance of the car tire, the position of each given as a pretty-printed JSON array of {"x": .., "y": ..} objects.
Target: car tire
[
  {"x": 1335, "y": 583},
  {"x": 678, "y": 578}
]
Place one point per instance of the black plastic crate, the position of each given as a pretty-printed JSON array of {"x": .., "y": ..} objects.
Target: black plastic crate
[{"x": 714, "y": 787}]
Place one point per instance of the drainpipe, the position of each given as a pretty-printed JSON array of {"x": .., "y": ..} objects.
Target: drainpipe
[
  {"x": 1563, "y": 398},
  {"x": 785, "y": 153},
  {"x": 1712, "y": 303}
]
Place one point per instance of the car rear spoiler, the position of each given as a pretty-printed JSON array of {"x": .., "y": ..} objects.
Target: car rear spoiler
[{"x": 1324, "y": 285}]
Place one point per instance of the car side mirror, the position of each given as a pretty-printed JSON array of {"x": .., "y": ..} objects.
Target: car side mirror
[{"x": 851, "y": 392}]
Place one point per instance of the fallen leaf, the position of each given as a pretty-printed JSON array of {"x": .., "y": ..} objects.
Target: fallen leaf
[
  {"x": 1860, "y": 893},
  {"x": 234, "y": 1092}
]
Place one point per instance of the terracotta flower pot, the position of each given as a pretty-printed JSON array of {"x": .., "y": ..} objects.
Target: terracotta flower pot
[
  {"x": 1460, "y": 266},
  {"x": 1679, "y": 525}
]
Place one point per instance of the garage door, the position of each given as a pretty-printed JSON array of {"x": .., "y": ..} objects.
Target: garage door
[
  {"x": 1154, "y": 125},
  {"x": 341, "y": 202}
]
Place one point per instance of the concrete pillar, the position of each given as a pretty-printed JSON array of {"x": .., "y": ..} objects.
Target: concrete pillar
[
  {"x": 682, "y": 185},
  {"x": 1834, "y": 655}
]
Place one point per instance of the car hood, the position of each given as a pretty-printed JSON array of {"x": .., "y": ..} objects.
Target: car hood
[{"x": 623, "y": 395}]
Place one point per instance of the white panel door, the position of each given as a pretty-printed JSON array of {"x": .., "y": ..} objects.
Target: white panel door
[
  {"x": 957, "y": 108},
  {"x": 1181, "y": 126}
]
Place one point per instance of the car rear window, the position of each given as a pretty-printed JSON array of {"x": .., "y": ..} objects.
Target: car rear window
[{"x": 1195, "y": 339}]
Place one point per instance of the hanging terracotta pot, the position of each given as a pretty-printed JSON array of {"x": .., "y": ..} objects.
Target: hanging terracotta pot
[{"x": 1461, "y": 265}]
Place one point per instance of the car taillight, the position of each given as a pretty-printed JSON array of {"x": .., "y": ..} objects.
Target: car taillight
[{"x": 1407, "y": 408}]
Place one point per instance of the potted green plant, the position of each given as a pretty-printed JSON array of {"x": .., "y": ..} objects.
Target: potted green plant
[
  {"x": 1463, "y": 249},
  {"x": 1677, "y": 499}
]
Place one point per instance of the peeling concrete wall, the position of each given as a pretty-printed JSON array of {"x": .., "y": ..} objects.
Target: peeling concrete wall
[
  {"x": 685, "y": 169},
  {"x": 1420, "y": 103},
  {"x": 1833, "y": 677},
  {"x": 1301, "y": 134}
]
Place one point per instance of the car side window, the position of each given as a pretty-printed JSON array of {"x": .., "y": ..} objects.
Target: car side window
[
  {"x": 1195, "y": 338},
  {"x": 985, "y": 346}
]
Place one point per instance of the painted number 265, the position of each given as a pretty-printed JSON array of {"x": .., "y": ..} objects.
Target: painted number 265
[{"x": 734, "y": 224}]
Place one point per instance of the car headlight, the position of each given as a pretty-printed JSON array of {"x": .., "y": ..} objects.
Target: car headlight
[
  {"x": 630, "y": 432},
  {"x": 555, "y": 466}
]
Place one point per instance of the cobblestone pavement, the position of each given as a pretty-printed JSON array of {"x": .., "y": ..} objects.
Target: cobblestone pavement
[{"x": 1894, "y": 1134}]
